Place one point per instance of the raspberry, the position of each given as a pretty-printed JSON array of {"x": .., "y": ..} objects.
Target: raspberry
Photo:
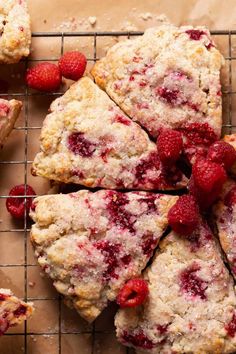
[
  {"x": 231, "y": 326},
  {"x": 169, "y": 145},
  {"x": 138, "y": 339},
  {"x": 80, "y": 145},
  {"x": 133, "y": 293},
  {"x": 183, "y": 217},
  {"x": 222, "y": 153},
  {"x": 191, "y": 284},
  {"x": 44, "y": 77},
  {"x": 195, "y": 34},
  {"x": 207, "y": 181},
  {"x": 16, "y": 206},
  {"x": 72, "y": 65}
]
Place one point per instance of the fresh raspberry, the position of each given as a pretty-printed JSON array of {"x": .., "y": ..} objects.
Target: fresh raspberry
[
  {"x": 222, "y": 153},
  {"x": 44, "y": 77},
  {"x": 133, "y": 293},
  {"x": 169, "y": 145},
  {"x": 183, "y": 217},
  {"x": 207, "y": 181},
  {"x": 72, "y": 65},
  {"x": 16, "y": 206}
]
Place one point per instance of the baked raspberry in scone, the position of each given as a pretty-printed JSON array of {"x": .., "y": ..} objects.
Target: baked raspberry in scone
[
  {"x": 9, "y": 112},
  {"x": 13, "y": 311},
  {"x": 88, "y": 140},
  {"x": 224, "y": 216},
  {"x": 231, "y": 139},
  {"x": 15, "y": 33},
  {"x": 90, "y": 244},
  {"x": 191, "y": 306},
  {"x": 167, "y": 78}
]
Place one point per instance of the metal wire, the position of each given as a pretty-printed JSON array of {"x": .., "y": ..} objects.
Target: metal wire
[{"x": 228, "y": 126}]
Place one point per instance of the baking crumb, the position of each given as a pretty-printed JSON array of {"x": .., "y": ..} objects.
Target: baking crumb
[
  {"x": 92, "y": 20},
  {"x": 163, "y": 18},
  {"x": 32, "y": 284},
  {"x": 44, "y": 21},
  {"x": 46, "y": 336},
  {"x": 134, "y": 9},
  {"x": 33, "y": 338},
  {"x": 128, "y": 26},
  {"x": 146, "y": 16}
]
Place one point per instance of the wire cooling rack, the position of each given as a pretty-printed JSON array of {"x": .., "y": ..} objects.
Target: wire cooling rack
[{"x": 60, "y": 333}]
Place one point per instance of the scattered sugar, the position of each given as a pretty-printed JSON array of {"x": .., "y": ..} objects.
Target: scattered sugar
[
  {"x": 92, "y": 20},
  {"x": 33, "y": 338},
  {"x": 32, "y": 284}
]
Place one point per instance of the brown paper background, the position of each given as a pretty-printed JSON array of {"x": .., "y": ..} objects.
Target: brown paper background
[{"x": 58, "y": 15}]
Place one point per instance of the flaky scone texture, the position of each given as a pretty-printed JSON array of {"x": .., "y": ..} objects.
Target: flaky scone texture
[
  {"x": 167, "y": 78},
  {"x": 15, "y": 32},
  {"x": 9, "y": 112},
  {"x": 87, "y": 139},
  {"x": 90, "y": 244},
  {"x": 191, "y": 306},
  {"x": 13, "y": 311}
]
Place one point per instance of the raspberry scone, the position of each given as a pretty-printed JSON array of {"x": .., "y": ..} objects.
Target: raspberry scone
[
  {"x": 15, "y": 32},
  {"x": 88, "y": 140},
  {"x": 167, "y": 78},
  {"x": 9, "y": 112},
  {"x": 13, "y": 311},
  {"x": 191, "y": 306},
  {"x": 224, "y": 216},
  {"x": 90, "y": 244}
]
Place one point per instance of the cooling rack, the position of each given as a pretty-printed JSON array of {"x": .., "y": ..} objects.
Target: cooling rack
[{"x": 226, "y": 40}]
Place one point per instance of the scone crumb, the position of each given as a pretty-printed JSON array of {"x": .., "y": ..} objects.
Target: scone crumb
[
  {"x": 146, "y": 16},
  {"x": 92, "y": 20}
]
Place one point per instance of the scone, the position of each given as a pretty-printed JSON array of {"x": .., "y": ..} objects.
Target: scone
[
  {"x": 13, "y": 311},
  {"x": 167, "y": 78},
  {"x": 191, "y": 306},
  {"x": 87, "y": 140},
  {"x": 90, "y": 244},
  {"x": 9, "y": 112},
  {"x": 224, "y": 216},
  {"x": 15, "y": 33},
  {"x": 231, "y": 139}
]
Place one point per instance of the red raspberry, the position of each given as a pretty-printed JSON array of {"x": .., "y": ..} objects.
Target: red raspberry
[
  {"x": 16, "y": 206},
  {"x": 169, "y": 145},
  {"x": 222, "y": 153},
  {"x": 133, "y": 293},
  {"x": 207, "y": 181},
  {"x": 44, "y": 77},
  {"x": 73, "y": 65},
  {"x": 183, "y": 217}
]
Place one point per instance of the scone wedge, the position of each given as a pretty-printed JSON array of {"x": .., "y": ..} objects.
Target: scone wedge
[
  {"x": 90, "y": 244},
  {"x": 13, "y": 311},
  {"x": 167, "y": 78},
  {"x": 15, "y": 32},
  {"x": 191, "y": 306},
  {"x": 88, "y": 140},
  {"x": 9, "y": 112}
]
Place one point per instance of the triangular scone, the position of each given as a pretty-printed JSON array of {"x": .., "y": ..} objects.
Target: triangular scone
[
  {"x": 13, "y": 311},
  {"x": 15, "y": 33},
  {"x": 9, "y": 112},
  {"x": 191, "y": 306},
  {"x": 224, "y": 216},
  {"x": 90, "y": 244},
  {"x": 88, "y": 140},
  {"x": 169, "y": 77}
]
